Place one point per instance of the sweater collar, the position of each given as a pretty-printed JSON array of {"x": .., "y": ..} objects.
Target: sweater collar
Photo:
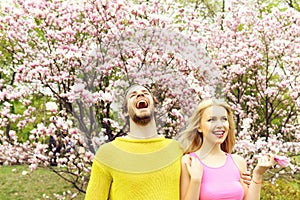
[{"x": 125, "y": 139}]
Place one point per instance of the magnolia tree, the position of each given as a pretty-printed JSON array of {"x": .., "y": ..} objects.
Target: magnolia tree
[
  {"x": 257, "y": 50},
  {"x": 66, "y": 66}
]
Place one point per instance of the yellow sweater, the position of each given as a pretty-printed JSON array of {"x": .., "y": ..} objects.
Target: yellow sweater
[{"x": 132, "y": 169}]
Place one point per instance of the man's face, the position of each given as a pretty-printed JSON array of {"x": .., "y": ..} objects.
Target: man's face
[{"x": 140, "y": 105}]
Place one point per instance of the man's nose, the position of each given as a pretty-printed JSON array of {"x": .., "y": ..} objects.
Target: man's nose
[{"x": 140, "y": 94}]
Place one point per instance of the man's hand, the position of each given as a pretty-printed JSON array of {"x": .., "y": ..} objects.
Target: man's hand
[{"x": 246, "y": 176}]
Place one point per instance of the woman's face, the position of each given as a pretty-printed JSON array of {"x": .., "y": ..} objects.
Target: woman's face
[{"x": 214, "y": 124}]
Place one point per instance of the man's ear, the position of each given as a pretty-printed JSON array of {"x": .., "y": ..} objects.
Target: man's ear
[
  {"x": 155, "y": 100},
  {"x": 125, "y": 114}
]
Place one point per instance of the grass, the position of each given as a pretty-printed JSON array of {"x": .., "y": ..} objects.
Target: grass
[{"x": 39, "y": 185}]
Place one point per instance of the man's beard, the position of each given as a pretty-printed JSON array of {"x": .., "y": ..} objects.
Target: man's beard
[
  {"x": 141, "y": 119},
  {"x": 144, "y": 120}
]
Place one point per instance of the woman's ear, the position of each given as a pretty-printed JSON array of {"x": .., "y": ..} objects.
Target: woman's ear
[{"x": 199, "y": 130}]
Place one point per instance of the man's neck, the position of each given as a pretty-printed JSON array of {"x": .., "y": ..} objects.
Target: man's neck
[{"x": 143, "y": 131}]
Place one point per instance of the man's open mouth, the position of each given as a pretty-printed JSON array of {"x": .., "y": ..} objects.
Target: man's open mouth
[{"x": 142, "y": 104}]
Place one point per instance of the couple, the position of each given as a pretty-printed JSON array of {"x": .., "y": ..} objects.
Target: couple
[{"x": 145, "y": 165}]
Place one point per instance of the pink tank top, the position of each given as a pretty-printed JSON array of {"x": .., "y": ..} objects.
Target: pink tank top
[{"x": 221, "y": 182}]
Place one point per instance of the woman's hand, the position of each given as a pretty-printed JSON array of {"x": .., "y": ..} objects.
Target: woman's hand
[
  {"x": 195, "y": 168},
  {"x": 264, "y": 163},
  {"x": 190, "y": 178}
]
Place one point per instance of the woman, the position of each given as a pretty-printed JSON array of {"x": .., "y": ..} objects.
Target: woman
[{"x": 209, "y": 170}]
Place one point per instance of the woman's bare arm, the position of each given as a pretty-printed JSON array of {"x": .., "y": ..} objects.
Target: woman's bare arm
[
  {"x": 190, "y": 180},
  {"x": 264, "y": 163}
]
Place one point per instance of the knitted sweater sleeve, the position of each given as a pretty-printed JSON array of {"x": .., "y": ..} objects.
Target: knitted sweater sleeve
[{"x": 99, "y": 183}]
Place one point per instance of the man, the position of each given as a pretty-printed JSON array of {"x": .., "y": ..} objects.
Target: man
[{"x": 142, "y": 165}]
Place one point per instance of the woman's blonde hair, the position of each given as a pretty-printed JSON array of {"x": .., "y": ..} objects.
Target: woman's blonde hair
[{"x": 193, "y": 139}]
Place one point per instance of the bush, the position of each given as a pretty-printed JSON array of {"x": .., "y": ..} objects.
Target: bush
[{"x": 281, "y": 190}]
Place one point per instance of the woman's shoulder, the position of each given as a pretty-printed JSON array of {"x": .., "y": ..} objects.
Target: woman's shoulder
[
  {"x": 239, "y": 161},
  {"x": 237, "y": 157}
]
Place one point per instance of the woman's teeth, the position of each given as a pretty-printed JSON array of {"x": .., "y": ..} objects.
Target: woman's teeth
[{"x": 219, "y": 133}]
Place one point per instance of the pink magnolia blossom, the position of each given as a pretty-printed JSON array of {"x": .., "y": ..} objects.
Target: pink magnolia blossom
[
  {"x": 24, "y": 173},
  {"x": 283, "y": 161},
  {"x": 51, "y": 106}
]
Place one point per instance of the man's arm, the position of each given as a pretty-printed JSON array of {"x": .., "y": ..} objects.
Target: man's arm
[{"x": 99, "y": 183}]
